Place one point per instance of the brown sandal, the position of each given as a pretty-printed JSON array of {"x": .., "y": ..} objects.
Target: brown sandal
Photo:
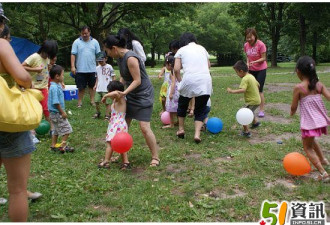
[
  {"x": 105, "y": 165},
  {"x": 153, "y": 164},
  {"x": 125, "y": 166}
]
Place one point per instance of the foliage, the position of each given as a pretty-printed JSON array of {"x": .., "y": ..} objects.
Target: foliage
[{"x": 225, "y": 178}]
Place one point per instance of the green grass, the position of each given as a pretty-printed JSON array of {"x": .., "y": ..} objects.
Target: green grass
[{"x": 75, "y": 190}]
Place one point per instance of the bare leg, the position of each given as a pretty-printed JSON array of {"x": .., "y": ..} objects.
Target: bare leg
[
  {"x": 54, "y": 140},
  {"x": 198, "y": 126},
  {"x": 64, "y": 139},
  {"x": 171, "y": 125},
  {"x": 92, "y": 95},
  {"x": 18, "y": 170},
  {"x": 245, "y": 128},
  {"x": 150, "y": 140},
  {"x": 181, "y": 124},
  {"x": 308, "y": 147},
  {"x": 107, "y": 110},
  {"x": 262, "y": 104},
  {"x": 319, "y": 153},
  {"x": 108, "y": 153},
  {"x": 81, "y": 93}
]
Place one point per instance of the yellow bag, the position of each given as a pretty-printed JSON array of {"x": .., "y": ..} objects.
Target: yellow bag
[{"x": 20, "y": 109}]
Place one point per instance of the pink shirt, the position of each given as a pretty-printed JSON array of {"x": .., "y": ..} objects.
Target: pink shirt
[{"x": 254, "y": 53}]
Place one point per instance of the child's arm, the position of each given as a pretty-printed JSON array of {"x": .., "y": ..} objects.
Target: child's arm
[
  {"x": 237, "y": 91},
  {"x": 172, "y": 86},
  {"x": 162, "y": 71},
  {"x": 32, "y": 69},
  {"x": 295, "y": 100},
  {"x": 114, "y": 94},
  {"x": 94, "y": 88},
  {"x": 325, "y": 92},
  {"x": 63, "y": 113}
]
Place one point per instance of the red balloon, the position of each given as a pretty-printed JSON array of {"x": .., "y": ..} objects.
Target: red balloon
[
  {"x": 121, "y": 142},
  {"x": 296, "y": 164}
]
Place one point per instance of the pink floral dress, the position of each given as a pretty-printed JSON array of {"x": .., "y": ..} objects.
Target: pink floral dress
[{"x": 117, "y": 124}]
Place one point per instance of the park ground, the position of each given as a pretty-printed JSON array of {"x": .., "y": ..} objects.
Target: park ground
[{"x": 223, "y": 179}]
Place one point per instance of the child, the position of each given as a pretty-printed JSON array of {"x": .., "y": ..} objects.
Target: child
[
  {"x": 164, "y": 87},
  {"x": 313, "y": 114},
  {"x": 104, "y": 74},
  {"x": 250, "y": 87},
  {"x": 56, "y": 107},
  {"x": 37, "y": 65},
  {"x": 117, "y": 122},
  {"x": 172, "y": 96}
]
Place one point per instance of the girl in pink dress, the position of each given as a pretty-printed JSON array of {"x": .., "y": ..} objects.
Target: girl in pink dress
[
  {"x": 117, "y": 122},
  {"x": 313, "y": 114}
]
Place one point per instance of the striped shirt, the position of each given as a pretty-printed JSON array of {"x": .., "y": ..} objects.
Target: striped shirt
[{"x": 313, "y": 113}]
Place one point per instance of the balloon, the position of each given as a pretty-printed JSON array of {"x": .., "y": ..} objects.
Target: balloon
[
  {"x": 165, "y": 118},
  {"x": 122, "y": 142},
  {"x": 296, "y": 164},
  {"x": 244, "y": 116},
  {"x": 43, "y": 127},
  {"x": 214, "y": 125}
]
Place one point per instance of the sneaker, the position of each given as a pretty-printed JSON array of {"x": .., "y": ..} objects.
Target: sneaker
[
  {"x": 3, "y": 201},
  {"x": 261, "y": 114},
  {"x": 257, "y": 124},
  {"x": 35, "y": 139},
  {"x": 34, "y": 195},
  {"x": 246, "y": 134}
]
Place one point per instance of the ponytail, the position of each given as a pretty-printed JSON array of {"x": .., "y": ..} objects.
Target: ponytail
[{"x": 306, "y": 65}]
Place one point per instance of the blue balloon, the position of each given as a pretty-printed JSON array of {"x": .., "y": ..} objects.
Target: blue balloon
[{"x": 214, "y": 125}]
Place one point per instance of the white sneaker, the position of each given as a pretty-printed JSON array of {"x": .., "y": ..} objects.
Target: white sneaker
[
  {"x": 35, "y": 139},
  {"x": 34, "y": 195},
  {"x": 3, "y": 201}
]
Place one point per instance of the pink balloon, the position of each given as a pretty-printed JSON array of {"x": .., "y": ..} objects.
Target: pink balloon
[{"x": 165, "y": 118}]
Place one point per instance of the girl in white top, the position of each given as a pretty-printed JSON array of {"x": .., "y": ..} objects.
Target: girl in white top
[
  {"x": 133, "y": 43},
  {"x": 196, "y": 81}
]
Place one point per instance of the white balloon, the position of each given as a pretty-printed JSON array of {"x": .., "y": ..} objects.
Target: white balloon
[{"x": 244, "y": 116}]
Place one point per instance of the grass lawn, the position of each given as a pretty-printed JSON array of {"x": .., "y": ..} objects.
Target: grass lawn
[{"x": 225, "y": 178}]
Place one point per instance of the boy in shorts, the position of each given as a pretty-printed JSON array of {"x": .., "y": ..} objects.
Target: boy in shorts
[
  {"x": 104, "y": 75},
  {"x": 250, "y": 87},
  {"x": 56, "y": 108}
]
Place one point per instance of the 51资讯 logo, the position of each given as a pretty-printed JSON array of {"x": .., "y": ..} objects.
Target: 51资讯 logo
[{"x": 293, "y": 213}]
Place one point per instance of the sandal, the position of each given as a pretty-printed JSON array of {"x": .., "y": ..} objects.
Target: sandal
[
  {"x": 125, "y": 166},
  {"x": 180, "y": 134},
  {"x": 96, "y": 115},
  {"x": 325, "y": 177},
  {"x": 153, "y": 164},
  {"x": 107, "y": 117},
  {"x": 104, "y": 165},
  {"x": 114, "y": 159}
]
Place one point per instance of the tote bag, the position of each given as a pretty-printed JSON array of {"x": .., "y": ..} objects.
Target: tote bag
[{"x": 20, "y": 109}]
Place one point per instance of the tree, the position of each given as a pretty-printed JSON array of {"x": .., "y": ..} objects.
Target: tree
[{"x": 265, "y": 17}]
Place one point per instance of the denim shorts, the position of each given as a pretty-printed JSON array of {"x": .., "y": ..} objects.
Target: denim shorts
[{"x": 14, "y": 145}]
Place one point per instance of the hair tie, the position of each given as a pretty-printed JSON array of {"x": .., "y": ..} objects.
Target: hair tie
[{"x": 312, "y": 65}]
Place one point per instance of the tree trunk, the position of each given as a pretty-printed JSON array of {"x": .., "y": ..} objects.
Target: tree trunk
[
  {"x": 314, "y": 45},
  {"x": 152, "y": 57},
  {"x": 276, "y": 27},
  {"x": 302, "y": 23}
]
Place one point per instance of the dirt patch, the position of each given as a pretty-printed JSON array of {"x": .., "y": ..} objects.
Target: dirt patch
[
  {"x": 223, "y": 159},
  {"x": 174, "y": 168},
  {"x": 256, "y": 138},
  {"x": 286, "y": 183},
  {"x": 217, "y": 194},
  {"x": 275, "y": 119},
  {"x": 280, "y": 106},
  {"x": 278, "y": 87},
  {"x": 176, "y": 191},
  {"x": 323, "y": 139},
  {"x": 193, "y": 156}
]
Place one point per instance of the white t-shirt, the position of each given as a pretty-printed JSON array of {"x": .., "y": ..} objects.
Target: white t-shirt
[
  {"x": 104, "y": 75},
  {"x": 138, "y": 49},
  {"x": 196, "y": 79}
]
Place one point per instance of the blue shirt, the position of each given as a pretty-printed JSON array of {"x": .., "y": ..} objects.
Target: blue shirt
[
  {"x": 55, "y": 96},
  {"x": 85, "y": 52}
]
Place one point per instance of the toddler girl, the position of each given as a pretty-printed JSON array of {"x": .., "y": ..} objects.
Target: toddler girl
[
  {"x": 164, "y": 87},
  {"x": 117, "y": 122},
  {"x": 173, "y": 94},
  {"x": 313, "y": 114}
]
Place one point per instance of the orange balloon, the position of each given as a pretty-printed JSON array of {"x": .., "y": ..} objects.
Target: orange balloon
[{"x": 296, "y": 164}]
